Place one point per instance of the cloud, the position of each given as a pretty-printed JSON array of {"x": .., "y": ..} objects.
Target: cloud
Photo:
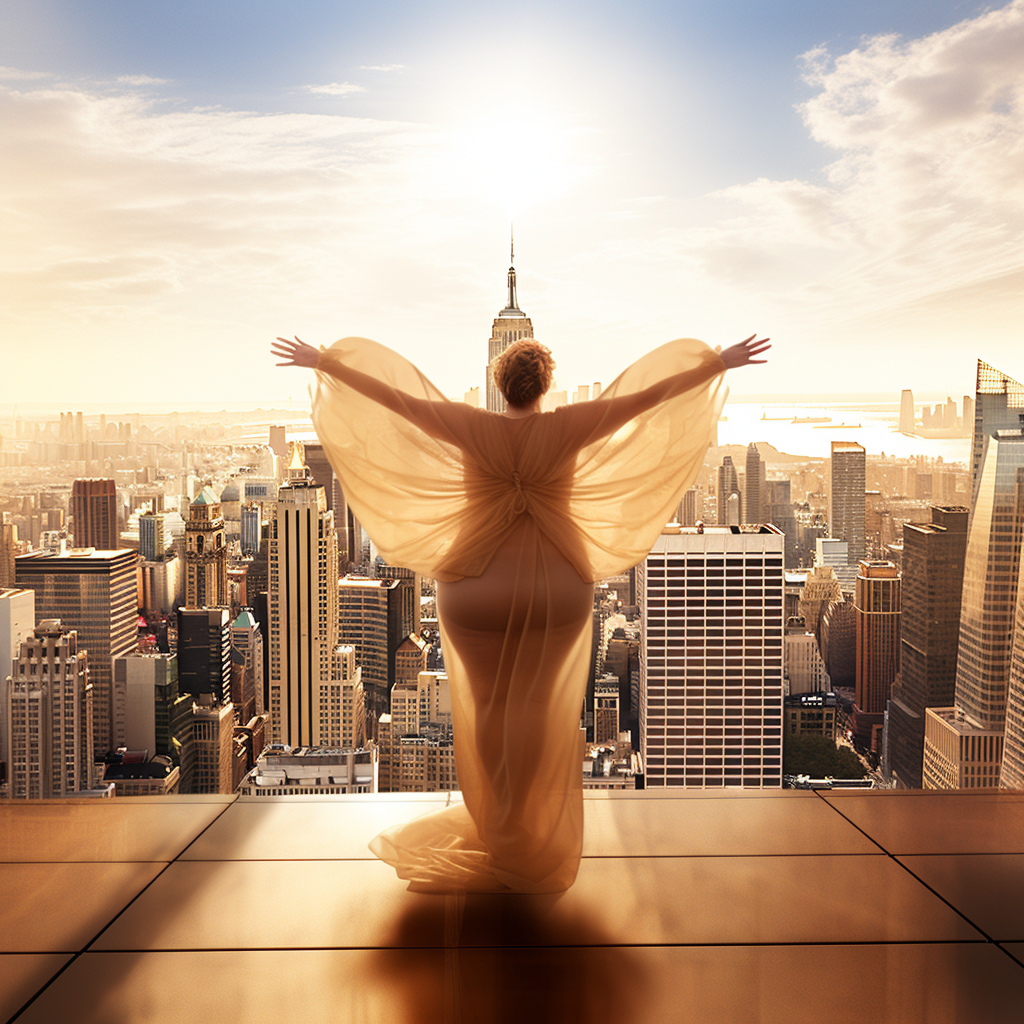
[
  {"x": 926, "y": 194},
  {"x": 16, "y": 74},
  {"x": 142, "y": 80},
  {"x": 382, "y": 67},
  {"x": 334, "y": 89},
  {"x": 134, "y": 224}
]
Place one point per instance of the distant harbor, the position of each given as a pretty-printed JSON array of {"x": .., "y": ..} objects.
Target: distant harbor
[{"x": 808, "y": 428}]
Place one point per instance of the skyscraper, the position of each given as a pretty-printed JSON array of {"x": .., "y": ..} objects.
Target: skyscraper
[
  {"x": 204, "y": 653},
  {"x": 406, "y": 595},
  {"x": 159, "y": 718},
  {"x": 363, "y": 623},
  {"x": 17, "y": 620},
  {"x": 303, "y": 606},
  {"x": 341, "y": 711},
  {"x": 206, "y": 554},
  {"x": 8, "y": 549},
  {"x": 964, "y": 743},
  {"x": 1011, "y": 774},
  {"x": 345, "y": 523},
  {"x": 94, "y": 593},
  {"x": 49, "y": 716},
  {"x": 908, "y": 420},
  {"x": 251, "y": 528},
  {"x": 878, "y": 605},
  {"x": 933, "y": 572},
  {"x": 94, "y": 514},
  {"x": 152, "y": 536},
  {"x": 247, "y": 644},
  {"x": 691, "y": 508},
  {"x": 711, "y": 658},
  {"x": 753, "y": 506},
  {"x": 846, "y": 498},
  {"x": 998, "y": 405},
  {"x": 728, "y": 485},
  {"x": 510, "y": 325}
]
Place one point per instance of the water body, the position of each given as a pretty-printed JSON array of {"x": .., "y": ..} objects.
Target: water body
[{"x": 874, "y": 425}]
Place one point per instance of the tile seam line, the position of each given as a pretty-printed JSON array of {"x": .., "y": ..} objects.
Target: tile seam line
[
  {"x": 564, "y": 945},
  {"x": 85, "y": 948},
  {"x": 593, "y": 856},
  {"x": 919, "y": 880},
  {"x": 1017, "y": 960}
]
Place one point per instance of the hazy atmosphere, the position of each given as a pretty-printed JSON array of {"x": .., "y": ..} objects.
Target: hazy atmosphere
[{"x": 185, "y": 181}]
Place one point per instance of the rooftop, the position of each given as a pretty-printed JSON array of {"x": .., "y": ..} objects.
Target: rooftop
[{"x": 712, "y": 906}]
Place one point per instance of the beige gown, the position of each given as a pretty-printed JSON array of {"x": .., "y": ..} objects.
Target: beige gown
[{"x": 516, "y": 519}]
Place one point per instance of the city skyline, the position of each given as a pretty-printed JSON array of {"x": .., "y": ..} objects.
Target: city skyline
[{"x": 190, "y": 183}]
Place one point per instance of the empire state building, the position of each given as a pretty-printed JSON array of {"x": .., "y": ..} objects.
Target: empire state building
[{"x": 510, "y": 325}]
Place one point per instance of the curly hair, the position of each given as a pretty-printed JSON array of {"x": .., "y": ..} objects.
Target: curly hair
[{"x": 523, "y": 371}]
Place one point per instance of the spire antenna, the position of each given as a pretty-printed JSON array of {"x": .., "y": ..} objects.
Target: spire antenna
[{"x": 512, "y": 247}]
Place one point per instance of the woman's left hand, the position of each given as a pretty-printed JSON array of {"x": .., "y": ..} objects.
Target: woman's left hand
[
  {"x": 743, "y": 353},
  {"x": 295, "y": 353}
]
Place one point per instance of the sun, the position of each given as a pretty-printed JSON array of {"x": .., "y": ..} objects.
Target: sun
[{"x": 514, "y": 160}]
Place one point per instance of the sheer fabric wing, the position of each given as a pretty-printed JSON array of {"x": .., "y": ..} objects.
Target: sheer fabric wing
[
  {"x": 404, "y": 483},
  {"x": 628, "y": 484}
]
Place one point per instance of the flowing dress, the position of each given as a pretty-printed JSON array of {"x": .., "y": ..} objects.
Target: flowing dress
[{"x": 516, "y": 518}]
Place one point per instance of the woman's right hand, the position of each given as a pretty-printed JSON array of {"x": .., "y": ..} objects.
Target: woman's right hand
[
  {"x": 743, "y": 353},
  {"x": 295, "y": 353}
]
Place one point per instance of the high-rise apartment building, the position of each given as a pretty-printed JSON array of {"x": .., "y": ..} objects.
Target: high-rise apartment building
[
  {"x": 846, "y": 498},
  {"x": 754, "y": 487},
  {"x": 49, "y": 716},
  {"x": 94, "y": 593},
  {"x": 510, "y": 325},
  {"x": 878, "y": 604},
  {"x": 711, "y": 658},
  {"x": 94, "y": 514},
  {"x": 728, "y": 486},
  {"x": 303, "y": 607},
  {"x": 933, "y": 573},
  {"x": 964, "y": 743},
  {"x": 206, "y": 553}
]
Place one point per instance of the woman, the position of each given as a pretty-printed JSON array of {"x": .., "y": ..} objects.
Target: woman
[{"x": 516, "y": 515}]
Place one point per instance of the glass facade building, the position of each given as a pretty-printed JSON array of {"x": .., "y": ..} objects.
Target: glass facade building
[{"x": 95, "y": 593}]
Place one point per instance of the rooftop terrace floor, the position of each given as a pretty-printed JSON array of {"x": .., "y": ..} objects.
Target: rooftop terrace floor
[{"x": 704, "y": 906}]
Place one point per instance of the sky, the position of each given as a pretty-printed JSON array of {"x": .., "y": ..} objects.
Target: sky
[{"x": 184, "y": 181}]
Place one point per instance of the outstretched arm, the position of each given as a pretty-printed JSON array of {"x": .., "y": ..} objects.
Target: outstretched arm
[
  {"x": 600, "y": 418},
  {"x": 434, "y": 418}
]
